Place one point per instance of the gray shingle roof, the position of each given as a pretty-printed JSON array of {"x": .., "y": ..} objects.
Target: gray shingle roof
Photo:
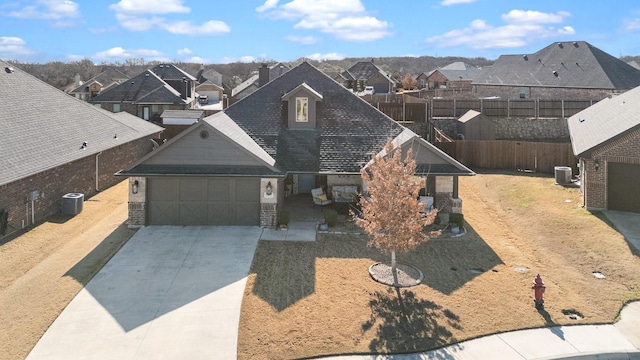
[
  {"x": 564, "y": 64},
  {"x": 105, "y": 78},
  {"x": 182, "y": 114},
  {"x": 348, "y": 128},
  {"x": 171, "y": 72},
  {"x": 364, "y": 70},
  {"x": 145, "y": 88},
  {"x": 47, "y": 132},
  {"x": 459, "y": 71},
  {"x": 604, "y": 121},
  {"x": 251, "y": 84}
]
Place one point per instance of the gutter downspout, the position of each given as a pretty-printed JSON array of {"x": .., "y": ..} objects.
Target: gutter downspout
[{"x": 97, "y": 174}]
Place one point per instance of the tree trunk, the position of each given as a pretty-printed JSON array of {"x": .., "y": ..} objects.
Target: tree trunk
[{"x": 394, "y": 269}]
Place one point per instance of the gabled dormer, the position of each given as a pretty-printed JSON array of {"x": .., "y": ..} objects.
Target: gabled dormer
[{"x": 302, "y": 107}]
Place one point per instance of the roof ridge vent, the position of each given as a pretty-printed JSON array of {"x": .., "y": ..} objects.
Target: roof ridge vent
[{"x": 8, "y": 70}]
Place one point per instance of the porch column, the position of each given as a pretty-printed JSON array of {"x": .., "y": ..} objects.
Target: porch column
[
  {"x": 137, "y": 202},
  {"x": 269, "y": 188}
]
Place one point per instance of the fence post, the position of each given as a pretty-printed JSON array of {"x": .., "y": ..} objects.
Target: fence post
[
  {"x": 454, "y": 107},
  {"x": 562, "y": 104},
  {"x": 481, "y": 106},
  {"x": 508, "y": 108},
  {"x": 404, "y": 109}
]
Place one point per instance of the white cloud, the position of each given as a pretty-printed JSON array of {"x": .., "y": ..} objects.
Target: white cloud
[
  {"x": 137, "y": 23},
  {"x": 269, "y": 4},
  {"x": 119, "y": 53},
  {"x": 633, "y": 24},
  {"x": 243, "y": 59},
  {"x": 455, "y": 2},
  {"x": 185, "y": 51},
  {"x": 198, "y": 60},
  {"x": 344, "y": 19},
  {"x": 59, "y": 12},
  {"x": 521, "y": 28},
  {"x": 304, "y": 40},
  {"x": 142, "y": 15},
  {"x": 533, "y": 17},
  {"x": 149, "y": 7},
  {"x": 187, "y": 28},
  {"x": 328, "y": 56},
  {"x": 11, "y": 46}
]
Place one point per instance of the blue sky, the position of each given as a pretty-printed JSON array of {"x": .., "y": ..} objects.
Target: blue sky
[{"x": 285, "y": 30}]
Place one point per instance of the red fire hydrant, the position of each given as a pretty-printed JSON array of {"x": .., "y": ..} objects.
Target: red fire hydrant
[{"x": 538, "y": 292}]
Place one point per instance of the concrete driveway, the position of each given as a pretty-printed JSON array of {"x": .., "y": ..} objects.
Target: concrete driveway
[
  {"x": 628, "y": 224},
  {"x": 169, "y": 293}
]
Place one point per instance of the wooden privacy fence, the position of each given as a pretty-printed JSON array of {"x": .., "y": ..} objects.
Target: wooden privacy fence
[
  {"x": 504, "y": 154},
  {"x": 455, "y": 108}
]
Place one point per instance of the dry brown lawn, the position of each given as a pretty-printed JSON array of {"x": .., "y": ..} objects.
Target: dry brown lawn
[
  {"x": 311, "y": 299},
  {"x": 43, "y": 269}
]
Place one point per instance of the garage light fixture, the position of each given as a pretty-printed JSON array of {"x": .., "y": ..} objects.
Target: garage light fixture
[
  {"x": 596, "y": 164},
  {"x": 134, "y": 187},
  {"x": 268, "y": 188}
]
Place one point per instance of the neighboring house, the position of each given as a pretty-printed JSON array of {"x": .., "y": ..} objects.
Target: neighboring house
[
  {"x": 606, "y": 139},
  {"x": 563, "y": 71},
  {"x": 210, "y": 89},
  {"x": 147, "y": 95},
  {"x": 366, "y": 73},
  {"x": 455, "y": 76},
  {"x": 301, "y": 131},
  {"x": 102, "y": 82},
  {"x": 254, "y": 82},
  {"x": 58, "y": 145}
]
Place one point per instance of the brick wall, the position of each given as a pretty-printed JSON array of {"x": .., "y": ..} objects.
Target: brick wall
[
  {"x": 624, "y": 150},
  {"x": 268, "y": 215},
  {"x": 75, "y": 177}
]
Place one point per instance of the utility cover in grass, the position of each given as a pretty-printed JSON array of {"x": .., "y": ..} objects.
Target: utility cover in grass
[{"x": 407, "y": 274}]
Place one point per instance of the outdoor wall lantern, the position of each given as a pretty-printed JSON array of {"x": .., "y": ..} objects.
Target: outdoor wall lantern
[
  {"x": 134, "y": 187},
  {"x": 269, "y": 188},
  {"x": 596, "y": 164}
]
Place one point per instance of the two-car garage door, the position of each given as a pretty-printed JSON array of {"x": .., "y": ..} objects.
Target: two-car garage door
[{"x": 203, "y": 201}]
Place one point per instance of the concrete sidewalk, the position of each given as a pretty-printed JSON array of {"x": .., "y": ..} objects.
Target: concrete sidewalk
[
  {"x": 171, "y": 292},
  {"x": 618, "y": 341}
]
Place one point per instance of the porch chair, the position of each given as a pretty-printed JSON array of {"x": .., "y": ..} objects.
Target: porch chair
[{"x": 319, "y": 197}]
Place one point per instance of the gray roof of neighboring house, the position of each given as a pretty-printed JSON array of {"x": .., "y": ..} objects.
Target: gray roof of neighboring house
[
  {"x": 458, "y": 71},
  {"x": 105, "y": 78},
  {"x": 183, "y": 114},
  {"x": 145, "y": 88},
  {"x": 604, "y": 121},
  {"x": 171, "y": 72},
  {"x": 41, "y": 135},
  {"x": 575, "y": 64},
  {"x": 364, "y": 70},
  {"x": 251, "y": 84}
]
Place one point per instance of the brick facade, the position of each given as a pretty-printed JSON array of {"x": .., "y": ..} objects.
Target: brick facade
[
  {"x": 625, "y": 150},
  {"x": 75, "y": 177}
]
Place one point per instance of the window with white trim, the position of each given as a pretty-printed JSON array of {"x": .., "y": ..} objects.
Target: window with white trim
[{"x": 302, "y": 109}]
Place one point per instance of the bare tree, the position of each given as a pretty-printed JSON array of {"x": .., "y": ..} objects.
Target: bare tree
[
  {"x": 391, "y": 213},
  {"x": 409, "y": 82}
]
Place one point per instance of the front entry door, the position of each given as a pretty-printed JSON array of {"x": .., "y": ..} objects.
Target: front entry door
[{"x": 306, "y": 182}]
